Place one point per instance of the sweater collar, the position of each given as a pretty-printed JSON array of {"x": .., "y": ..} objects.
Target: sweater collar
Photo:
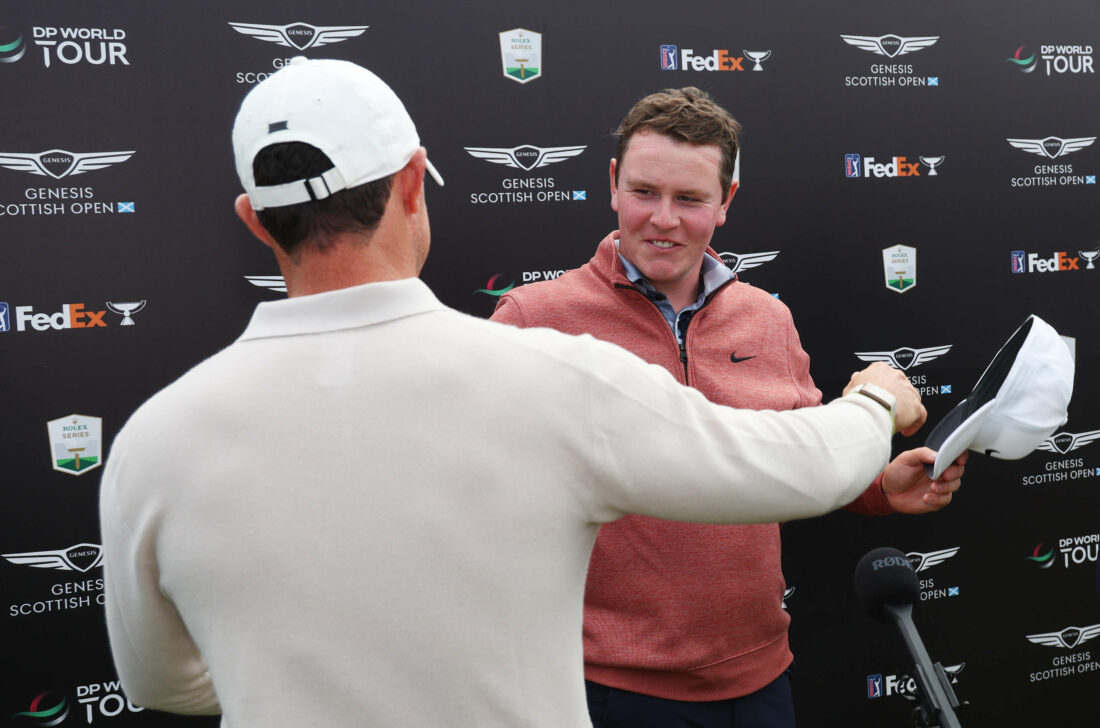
[{"x": 345, "y": 308}]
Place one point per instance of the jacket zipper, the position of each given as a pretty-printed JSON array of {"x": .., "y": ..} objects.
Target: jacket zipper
[{"x": 682, "y": 345}]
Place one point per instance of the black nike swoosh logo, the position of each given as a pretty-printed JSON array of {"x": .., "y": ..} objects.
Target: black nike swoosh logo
[
  {"x": 989, "y": 451},
  {"x": 734, "y": 358}
]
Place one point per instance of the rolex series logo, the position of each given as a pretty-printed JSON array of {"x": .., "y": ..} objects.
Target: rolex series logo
[
  {"x": 300, "y": 35},
  {"x": 75, "y": 443}
]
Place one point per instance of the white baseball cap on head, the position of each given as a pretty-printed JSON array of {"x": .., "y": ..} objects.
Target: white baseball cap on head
[
  {"x": 1021, "y": 398},
  {"x": 337, "y": 106}
]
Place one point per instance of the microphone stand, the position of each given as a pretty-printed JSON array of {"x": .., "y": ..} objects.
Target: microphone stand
[{"x": 937, "y": 698}]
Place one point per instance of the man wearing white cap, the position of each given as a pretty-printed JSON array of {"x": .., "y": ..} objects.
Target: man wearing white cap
[{"x": 391, "y": 505}]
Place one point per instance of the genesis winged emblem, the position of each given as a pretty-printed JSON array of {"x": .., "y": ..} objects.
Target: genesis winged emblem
[
  {"x": 738, "y": 262},
  {"x": 272, "y": 283},
  {"x": 82, "y": 557},
  {"x": 904, "y": 358},
  {"x": 300, "y": 35},
  {"x": 921, "y": 561},
  {"x": 1063, "y": 442},
  {"x": 524, "y": 156},
  {"x": 1069, "y": 637},
  {"x": 58, "y": 163},
  {"x": 890, "y": 45},
  {"x": 1053, "y": 146}
]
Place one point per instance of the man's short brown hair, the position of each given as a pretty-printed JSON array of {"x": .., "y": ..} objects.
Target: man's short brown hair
[
  {"x": 688, "y": 114},
  {"x": 318, "y": 222}
]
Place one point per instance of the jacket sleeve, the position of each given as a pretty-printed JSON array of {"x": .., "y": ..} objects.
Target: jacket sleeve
[
  {"x": 158, "y": 663},
  {"x": 508, "y": 311},
  {"x": 872, "y": 502},
  {"x": 663, "y": 450}
]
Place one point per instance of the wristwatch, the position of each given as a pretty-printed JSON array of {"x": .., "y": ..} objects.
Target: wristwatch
[{"x": 880, "y": 395}]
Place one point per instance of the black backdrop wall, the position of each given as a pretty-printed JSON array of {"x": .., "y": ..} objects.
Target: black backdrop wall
[{"x": 963, "y": 133}]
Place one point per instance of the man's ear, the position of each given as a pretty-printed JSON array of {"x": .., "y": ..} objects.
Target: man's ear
[
  {"x": 243, "y": 208},
  {"x": 411, "y": 181},
  {"x": 726, "y": 205},
  {"x": 614, "y": 187}
]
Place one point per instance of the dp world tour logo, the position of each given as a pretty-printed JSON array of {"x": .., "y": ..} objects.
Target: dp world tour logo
[
  {"x": 300, "y": 35},
  {"x": 1023, "y": 61},
  {"x": 12, "y": 47},
  {"x": 1044, "y": 559},
  {"x": 58, "y": 163},
  {"x": 83, "y": 557},
  {"x": 490, "y": 290},
  {"x": 47, "y": 709},
  {"x": 75, "y": 443}
]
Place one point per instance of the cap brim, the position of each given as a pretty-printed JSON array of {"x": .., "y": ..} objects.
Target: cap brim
[
  {"x": 433, "y": 172},
  {"x": 954, "y": 435}
]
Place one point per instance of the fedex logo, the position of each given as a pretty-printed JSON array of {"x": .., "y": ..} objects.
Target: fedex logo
[
  {"x": 719, "y": 60},
  {"x": 896, "y": 167},
  {"x": 1056, "y": 263},
  {"x": 71, "y": 316}
]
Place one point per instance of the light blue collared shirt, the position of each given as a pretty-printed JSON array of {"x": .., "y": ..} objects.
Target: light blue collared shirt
[{"x": 713, "y": 273}]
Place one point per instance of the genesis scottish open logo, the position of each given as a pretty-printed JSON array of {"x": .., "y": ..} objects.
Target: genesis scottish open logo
[
  {"x": 296, "y": 36},
  {"x": 1053, "y": 175},
  {"x": 905, "y": 357},
  {"x": 1065, "y": 469},
  {"x": 526, "y": 157},
  {"x": 1052, "y": 147},
  {"x": 271, "y": 283},
  {"x": 300, "y": 35},
  {"x": 58, "y": 163},
  {"x": 891, "y": 47},
  {"x": 82, "y": 557},
  {"x": 1067, "y": 638},
  {"x": 738, "y": 262}
]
